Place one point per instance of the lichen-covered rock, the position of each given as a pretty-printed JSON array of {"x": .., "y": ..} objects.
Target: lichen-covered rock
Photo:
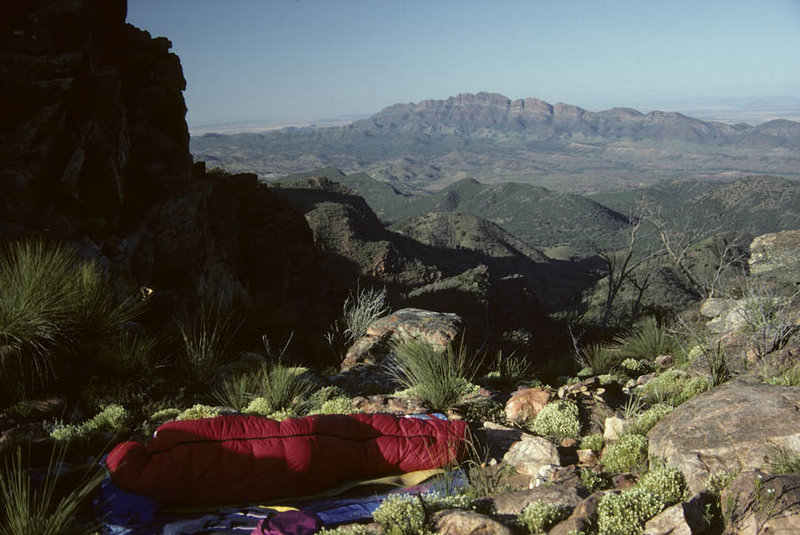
[
  {"x": 530, "y": 454},
  {"x": 567, "y": 494},
  {"x": 582, "y": 518},
  {"x": 730, "y": 427},
  {"x": 526, "y": 403},
  {"x": 615, "y": 427},
  {"x": 776, "y": 254},
  {"x": 457, "y": 522},
  {"x": 438, "y": 329}
]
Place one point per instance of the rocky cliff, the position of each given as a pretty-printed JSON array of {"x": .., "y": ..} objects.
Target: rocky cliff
[{"x": 95, "y": 150}]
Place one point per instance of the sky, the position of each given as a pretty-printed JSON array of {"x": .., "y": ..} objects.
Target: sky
[{"x": 288, "y": 61}]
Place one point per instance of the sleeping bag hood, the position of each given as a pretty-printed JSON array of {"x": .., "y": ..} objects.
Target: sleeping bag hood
[{"x": 236, "y": 458}]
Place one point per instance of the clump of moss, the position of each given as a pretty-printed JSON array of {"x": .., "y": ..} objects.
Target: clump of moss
[
  {"x": 593, "y": 442},
  {"x": 625, "y": 513},
  {"x": 113, "y": 418},
  {"x": 633, "y": 367},
  {"x": 406, "y": 514},
  {"x": 629, "y": 454},
  {"x": 673, "y": 387},
  {"x": 593, "y": 481},
  {"x": 557, "y": 421},
  {"x": 539, "y": 516},
  {"x": 198, "y": 412},
  {"x": 667, "y": 483},
  {"x": 648, "y": 419}
]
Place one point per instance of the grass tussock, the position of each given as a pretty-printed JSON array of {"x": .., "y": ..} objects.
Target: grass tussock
[
  {"x": 43, "y": 508},
  {"x": 205, "y": 345},
  {"x": 441, "y": 378},
  {"x": 54, "y": 307},
  {"x": 645, "y": 340}
]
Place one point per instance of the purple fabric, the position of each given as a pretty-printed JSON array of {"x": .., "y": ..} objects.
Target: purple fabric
[{"x": 289, "y": 523}]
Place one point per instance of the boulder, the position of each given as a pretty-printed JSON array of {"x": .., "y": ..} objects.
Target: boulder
[
  {"x": 498, "y": 438},
  {"x": 665, "y": 361},
  {"x": 583, "y": 517},
  {"x": 438, "y": 329},
  {"x": 510, "y": 504},
  {"x": 388, "y": 404},
  {"x": 530, "y": 454},
  {"x": 567, "y": 494},
  {"x": 681, "y": 519},
  {"x": 467, "y": 523},
  {"x": 731, "y": 427},
  {"x": 759, "y": 503},
  {"x": 526, "y": 403},
  {"x": 776, "y": 254},
  {"x": 615, "y": 427}
]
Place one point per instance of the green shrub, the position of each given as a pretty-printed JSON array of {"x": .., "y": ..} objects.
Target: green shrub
[
  {"x": 508, "y": 370},
  {"x": 667, "y": 483},
  {"x": 406, "y": 514},
  {"x": 789, "y": 377},
  {"x": 160, "y": 417},
  {"x": 646, "y": 340},
  {"x": 129, "y": 353},
  {"x": 673, "y": 387},
  {"x": 539, "y": 516},
  {"x": 485, "y": 410},
  {"x": 439, "y": 378},
  {"x": 43, "y": 507},
  {"x": 557, "y": 421},
  {"x": 593, "y": 442},
  {"x": 645, "y": 421},
  {"x": 112, "y": 418},
  {"x": 628, "y": 454},
  {"x": 625, "y": 513},
  {"x": 340, "y": 405}
]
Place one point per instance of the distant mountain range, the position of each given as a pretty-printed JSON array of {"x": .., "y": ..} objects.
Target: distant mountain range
[{"x": 489, "y": 137}]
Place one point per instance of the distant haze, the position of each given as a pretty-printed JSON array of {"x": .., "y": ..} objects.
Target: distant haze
[{"x": 281, "y": 62}]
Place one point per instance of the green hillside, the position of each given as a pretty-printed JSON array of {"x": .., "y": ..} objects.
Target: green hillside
[
  {"x": 751, "y": 205},
  {"x": 536, "y": 215}
]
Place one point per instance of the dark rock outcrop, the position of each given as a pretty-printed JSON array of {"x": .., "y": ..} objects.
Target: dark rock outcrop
[{"x": 95, "y": 149}]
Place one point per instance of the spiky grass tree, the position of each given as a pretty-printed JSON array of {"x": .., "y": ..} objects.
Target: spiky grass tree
[
  {"x": 284, "y": 387},
  {"x": 205, "y": 345},
  {"x": 36, "y": 295},
  {"x": 645, "y": 340},
  {"x": 54, "y": 307}
]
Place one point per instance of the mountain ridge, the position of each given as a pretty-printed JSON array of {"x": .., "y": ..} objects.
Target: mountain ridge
[{"x": 430, "y": 144}]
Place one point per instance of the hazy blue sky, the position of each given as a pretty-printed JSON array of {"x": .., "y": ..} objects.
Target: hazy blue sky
[{"x": 287, "y": 60}]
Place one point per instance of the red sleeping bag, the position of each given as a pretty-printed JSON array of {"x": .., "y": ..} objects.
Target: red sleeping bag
[{"x": 234, "y": 459}]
